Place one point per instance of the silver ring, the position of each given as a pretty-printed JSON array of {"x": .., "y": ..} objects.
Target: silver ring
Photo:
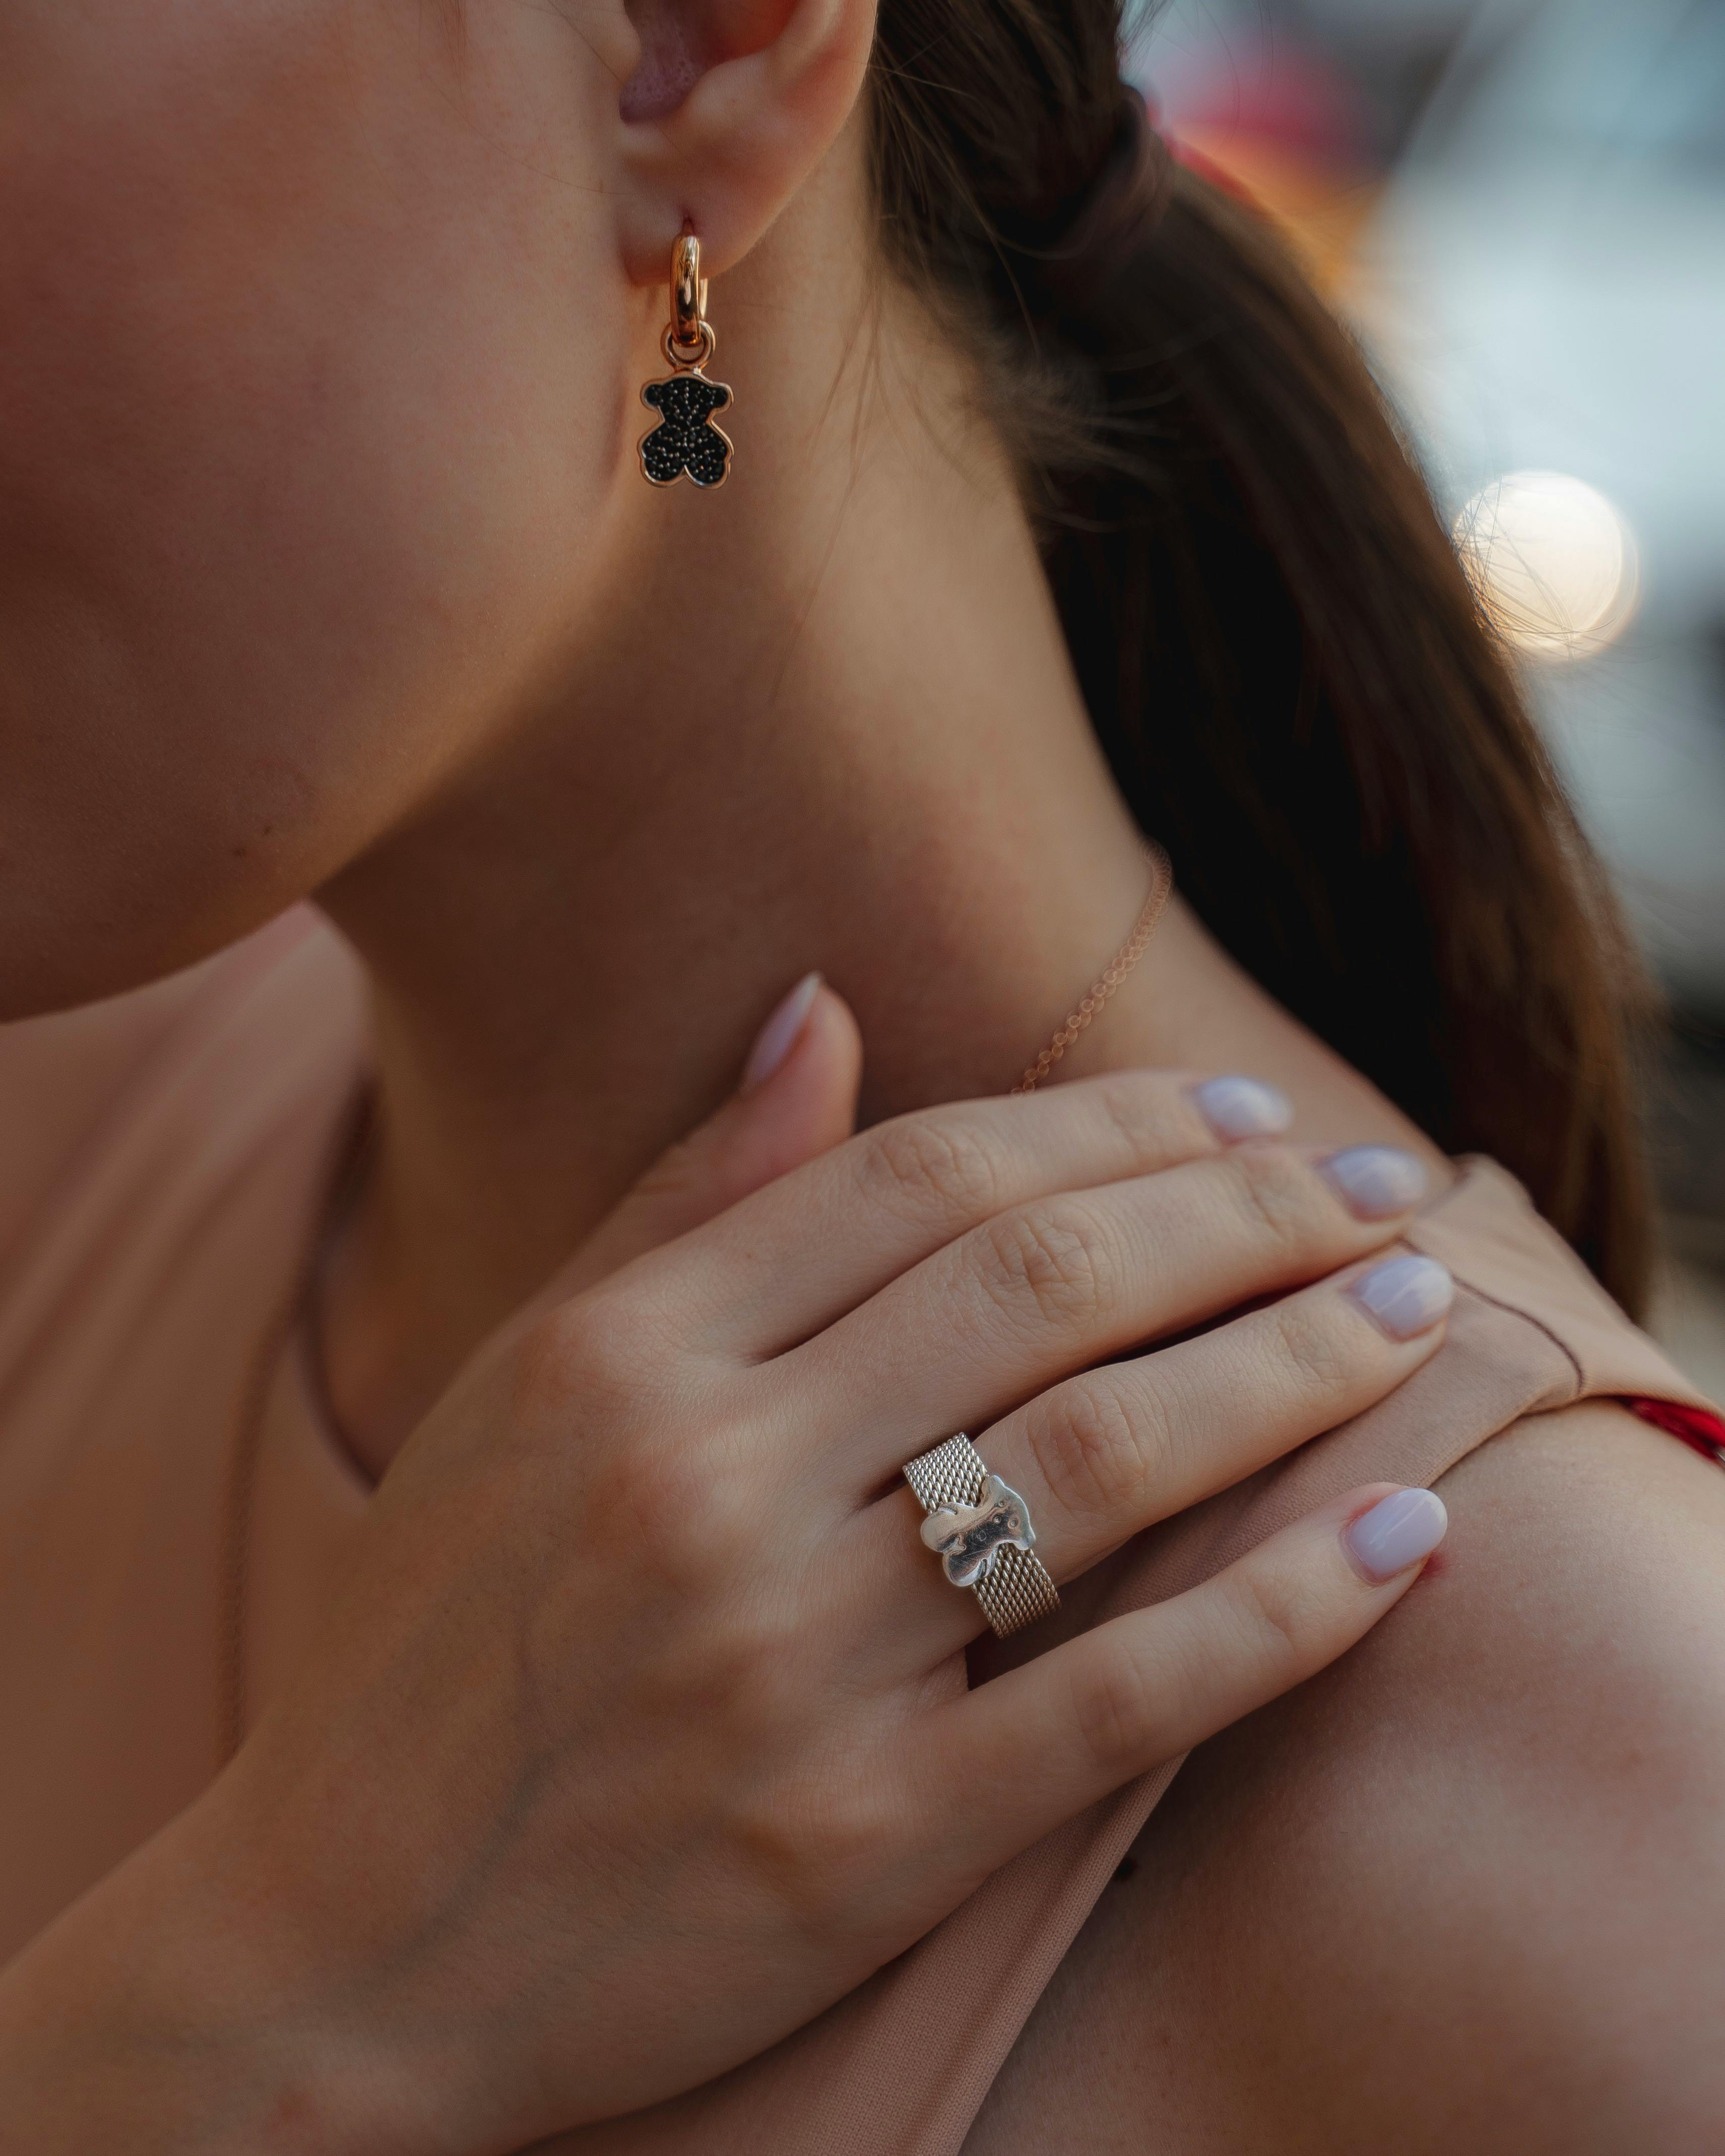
[{"x": 983, "y": 1533}]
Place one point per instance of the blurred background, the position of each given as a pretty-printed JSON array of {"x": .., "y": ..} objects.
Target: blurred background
[{"x": 1520, "y": 204}]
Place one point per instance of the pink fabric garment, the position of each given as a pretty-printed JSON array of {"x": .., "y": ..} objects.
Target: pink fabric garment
[
  {"x": 162, "y": 1160},
  {"x": 163, "y": 1163}
]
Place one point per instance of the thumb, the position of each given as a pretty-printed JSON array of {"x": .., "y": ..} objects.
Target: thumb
[{"x": 797, "y": 1097}]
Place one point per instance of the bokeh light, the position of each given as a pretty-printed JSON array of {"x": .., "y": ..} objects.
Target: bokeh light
[{"x": 1554, "y": 561}]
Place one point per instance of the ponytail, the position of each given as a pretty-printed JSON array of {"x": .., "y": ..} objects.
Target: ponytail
[{"x": 1280, "y": 654}]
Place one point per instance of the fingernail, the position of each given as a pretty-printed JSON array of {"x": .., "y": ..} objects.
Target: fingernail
[
  {"x": 1405, "y": 1296},
  {"x": 1375, "y": 1181},
  {"x": 779, "y": 1036},
  {"x": 1243, "y": 1107},
  {"x": 1398, "y": 1532}
]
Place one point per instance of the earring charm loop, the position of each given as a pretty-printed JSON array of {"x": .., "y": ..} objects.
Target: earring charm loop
[{"x": 696, "y": 353}]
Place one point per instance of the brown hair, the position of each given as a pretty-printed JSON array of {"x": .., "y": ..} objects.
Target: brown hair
[{"x": 1281, "y": 654}]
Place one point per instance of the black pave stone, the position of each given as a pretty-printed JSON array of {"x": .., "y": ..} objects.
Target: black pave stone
[{"x": 684, "y": 441}]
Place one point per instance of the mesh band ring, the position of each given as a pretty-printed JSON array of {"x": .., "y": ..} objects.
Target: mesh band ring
[{"x": 986, "y": 1545}]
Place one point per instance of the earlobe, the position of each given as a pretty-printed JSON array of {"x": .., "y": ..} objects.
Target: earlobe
[{"x": 734, "y": 104}]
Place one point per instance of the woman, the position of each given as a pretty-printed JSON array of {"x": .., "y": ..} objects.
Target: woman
[{"x": 611, "y": 1772}]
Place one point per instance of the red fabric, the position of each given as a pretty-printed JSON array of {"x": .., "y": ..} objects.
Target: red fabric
[{"x": 1698, "y": 1429}]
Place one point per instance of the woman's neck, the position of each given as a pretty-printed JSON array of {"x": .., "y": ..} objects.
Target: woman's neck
[{"x": 821, "y": 719}]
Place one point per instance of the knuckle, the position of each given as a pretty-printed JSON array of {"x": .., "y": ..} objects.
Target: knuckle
[
  {"x": 598, "y": 1350},
  {"x": 1116, "y": 1710},
  {"x": 670, "y": 1481},
  {"x": 817, "y": 1840},
  {"x": 555, "y": 1356},
  {"x": 752, "y": 1660},
  {"x": 1152, "y": 1115},
  {"x": 687, "y": 1524},
  {"x": 1312, "y": 1358},
  {"x": 639, "y": 1497},
  {"x": 1096, "y": 1456},
  {"x": 938, "y": 1165},
  {"x": 1051, "y": 1265},
  {"x": 1274, "y": 1195},
  {"x": 1278, "y": 1613}
]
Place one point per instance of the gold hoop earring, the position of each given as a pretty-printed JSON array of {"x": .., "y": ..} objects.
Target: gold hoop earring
[{"x": 686, "y": 442}]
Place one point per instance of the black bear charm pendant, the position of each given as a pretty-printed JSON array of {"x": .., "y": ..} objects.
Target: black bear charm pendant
[{"x": 685, "y": 441}]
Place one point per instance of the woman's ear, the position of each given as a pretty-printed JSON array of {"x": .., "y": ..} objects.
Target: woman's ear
[{"x": 733, "y": 103}]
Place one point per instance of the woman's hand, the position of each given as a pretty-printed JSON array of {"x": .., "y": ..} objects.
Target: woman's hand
[{"x": 639, "y": 1730}]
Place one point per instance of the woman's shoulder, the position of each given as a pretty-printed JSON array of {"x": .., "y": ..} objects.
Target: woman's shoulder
[
  {"x": 149, "y": 1083},
  {"x": 1467, "y": 1888}
]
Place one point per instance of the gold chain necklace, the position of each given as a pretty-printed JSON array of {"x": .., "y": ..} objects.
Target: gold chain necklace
[
  {"x": 278, "y": 1334},
  {"x": 1088, "y": 1008}
]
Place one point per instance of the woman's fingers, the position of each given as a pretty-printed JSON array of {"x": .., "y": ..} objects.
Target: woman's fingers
[
  {"x": 1066, "y": 1282},
  {"x": 777, "y": 1268},
  {"x": 1104, "y": 1455},
  {"x": 1013, "y": 1758},
  {"x": 1109, "y": 1454}
]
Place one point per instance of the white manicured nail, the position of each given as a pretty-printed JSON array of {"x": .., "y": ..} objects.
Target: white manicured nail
[
  {"x": 1236, "y": 1108},
  {"x": 1398, "y": 1532},
  {"x": 779, "y": 1035},
  {"x": 1405, "y": 1296},
  {"x": 1375, "y": 1181}
]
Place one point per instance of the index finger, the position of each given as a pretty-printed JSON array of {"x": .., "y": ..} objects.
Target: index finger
[{"x": 789, "y": 1261}]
